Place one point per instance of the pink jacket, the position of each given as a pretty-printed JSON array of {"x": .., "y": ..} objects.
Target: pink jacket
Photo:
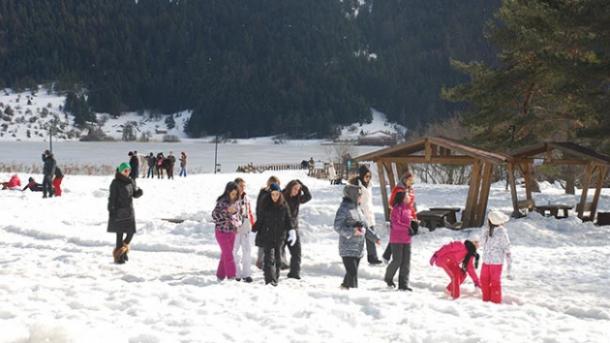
[
  {"x": 400, "y": 225},
  {"x": 455, "y": 252}
]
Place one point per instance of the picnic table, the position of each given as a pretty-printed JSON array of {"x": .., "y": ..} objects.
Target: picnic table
[
  {"x": 451, "y": 216},
  {"x": 554, "y": 209}
]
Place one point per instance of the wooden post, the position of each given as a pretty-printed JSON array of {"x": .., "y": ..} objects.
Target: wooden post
[
  {"x": 384, "y": 191},
  {"x": 473, "y": 192},
  {"x": 513, "y": 189},
  {"x": 602, "y": 172},
  {"x": 479, "y": 217},
  {"x": 585, "y": 189},
  {"x": 525, "y": 168},
  {"x": 428, "y": 150},
  {"x": 390, "y": 171}
]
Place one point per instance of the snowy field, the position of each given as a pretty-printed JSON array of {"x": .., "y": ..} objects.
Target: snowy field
[{"x": 58, "y": 282}]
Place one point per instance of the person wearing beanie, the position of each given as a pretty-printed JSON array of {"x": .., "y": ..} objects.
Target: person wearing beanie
[
  {"x": 405, "y": 185},
  {"x": 364, "y": 181},
  {"x": 134, "y": 163},
  {"x": 262, "y": 194},
  {"x": 496, "y": 250},
  {"x": 273, "y": 225},
  {"x": 121, "y": 215},
  {"x": 350, "y": 223},
  {"x": 296, "y": 194},
  {"x": 458, "y": 259},
  {"x": 400, "y": 243}
]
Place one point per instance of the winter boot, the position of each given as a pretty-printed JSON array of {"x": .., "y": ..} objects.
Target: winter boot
[
  {"x": 118, "y": 255},
  {"x": 125, "y": 258}
]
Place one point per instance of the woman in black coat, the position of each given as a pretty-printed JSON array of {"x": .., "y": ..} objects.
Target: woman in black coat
[
  {"x": 272, "y": 226},
  {"x": 122, "y": 219}
]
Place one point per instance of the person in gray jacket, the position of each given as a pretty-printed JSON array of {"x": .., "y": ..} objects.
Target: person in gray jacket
[{"x": 352, "y": 227}]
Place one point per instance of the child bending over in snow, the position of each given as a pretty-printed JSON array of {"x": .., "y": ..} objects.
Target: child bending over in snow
[{"x": 456, "y": 259}]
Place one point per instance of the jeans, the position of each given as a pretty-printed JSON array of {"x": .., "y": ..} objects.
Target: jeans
[{"x": 351, "y": 272}]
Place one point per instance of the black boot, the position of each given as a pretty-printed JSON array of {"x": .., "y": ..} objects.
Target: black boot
[{"x": 373, "y": 260}]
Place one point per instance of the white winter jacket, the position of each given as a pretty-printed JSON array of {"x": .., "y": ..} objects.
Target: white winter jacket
[
  {"x": 246, "y": 213},
  {"x": 367, "y": 203},
  {"x": 496, "y": 247}
]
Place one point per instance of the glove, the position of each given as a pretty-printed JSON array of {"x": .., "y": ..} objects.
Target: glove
[{"x": 292, "y": 237}]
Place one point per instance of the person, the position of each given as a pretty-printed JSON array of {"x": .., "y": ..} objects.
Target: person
[
  {"x": 311, "y": 165},
  {"x": 363, "y": 180},
  {"x": 243, "y": 262},
  {"x": 272, "y": 227},
  {"x": 264, "y": 192},
  {"x": 227, "y": 219},
  {"x": 400, "y": 243},
  {"x": 296, "y": 194},
  {"x": 151, "y": 161},
  {"x": 405, "y": 185},
  {"x": 456, "y": 259},
  {"x": 134, "y": 162},
  {"x": 351, "y": 225},
  {"x": 496, "y": 249},
  {"x": 169, "y": 163},
  {"x": 159, "y": 165},
  {"x": 304, "y": 164},
  {"x": 59, "y": 176},
  {"x": 121, "y": 214},
  {"x": 332, "y": 173},
  {"x": 14, "y": 183},
  {"x": 182, "y": 164},
  {"x": 33, "y": 185},
  {"x": 48, "y": 170}
]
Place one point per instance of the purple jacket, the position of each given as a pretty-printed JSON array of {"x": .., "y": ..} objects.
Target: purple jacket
[
  {"x": 225, "y": 221},
  {"x": 400, "y": 224}
]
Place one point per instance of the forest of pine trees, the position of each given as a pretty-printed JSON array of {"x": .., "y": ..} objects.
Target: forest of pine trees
[{"x": 248, "y": 68}]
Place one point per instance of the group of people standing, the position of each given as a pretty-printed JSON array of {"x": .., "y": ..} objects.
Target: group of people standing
[
  {"x": 159, "y": 165},
  {"x": 276, "y": 226},
  {"x": 275, "y": 220},
  {"x": 355, "y": 223},
  {"x": 51, "y": 180}
]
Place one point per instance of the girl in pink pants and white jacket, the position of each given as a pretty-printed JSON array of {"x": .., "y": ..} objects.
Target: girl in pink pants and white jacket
[
  {"x": 456, "y": 259},
  {"x": 496, "y": 249}
]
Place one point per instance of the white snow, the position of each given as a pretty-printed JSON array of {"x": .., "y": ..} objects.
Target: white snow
[
  {"x": 378, "y": 125},
  {"x": 58, "y": 283}
]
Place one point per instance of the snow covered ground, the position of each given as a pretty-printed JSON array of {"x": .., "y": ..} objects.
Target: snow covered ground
[{"x": 58, "y": 282}]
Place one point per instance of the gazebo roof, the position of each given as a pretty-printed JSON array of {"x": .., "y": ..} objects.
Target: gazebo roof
[
  {"x": 453, "y": 149},
  {"x": 573, "y": 149}
]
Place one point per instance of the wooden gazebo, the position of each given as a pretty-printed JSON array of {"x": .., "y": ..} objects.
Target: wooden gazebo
[
  {"x": 596, "y": 169},
  {"x": 393, "y": 161}
]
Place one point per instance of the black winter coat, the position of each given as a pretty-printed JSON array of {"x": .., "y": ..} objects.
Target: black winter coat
[
  {"x": 294, "y": 203},
  {"x": 48, "y": 168},
  {"x": 58, "y": 173},
  {"x": 134, "y": 162},
  {"x": 120, "y": 204},
  {"x": 272, "y": 225}
]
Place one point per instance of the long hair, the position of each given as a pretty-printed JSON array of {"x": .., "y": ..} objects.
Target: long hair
[
  {"x": 288, "y": 189},
  {"x": 231, "y": 186},
  {"x": 268, "y": 201},
  {"x": 272, "y": 179},
  {"x": 362, "y": 171},
  {"x": 491, "y": 228},
  {"x": 399, "y": 198},
  {"x": 472, "y": 251}
]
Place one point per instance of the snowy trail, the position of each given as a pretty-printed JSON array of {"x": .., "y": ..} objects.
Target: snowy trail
[{"x": 58, "y": 283}]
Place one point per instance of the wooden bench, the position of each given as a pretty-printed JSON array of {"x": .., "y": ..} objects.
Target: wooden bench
[
  {"x": 603, "y": 218},
  {"x": 452, "y": 216},
  {"x": 554, "y": 209}
]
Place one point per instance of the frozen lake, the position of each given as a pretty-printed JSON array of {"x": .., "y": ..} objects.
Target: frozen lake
[{"x": 200, "y": 152}]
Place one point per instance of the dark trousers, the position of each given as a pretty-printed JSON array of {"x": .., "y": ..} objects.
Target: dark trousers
[
  {"x": 47, "y": 187},
  {"x": 151, "y": 172},
  {"x": 401, "y": 259},
  {"x": 387, "y": 253},
  {"x": 170, "y": 172},
  {"x": 371, "y": 249},
  {"x": 120, "y": 241},
  {"x": 295, "y": 257},
  {"x": 351, "y": 272},
  {"x": 271, "y": 263}
]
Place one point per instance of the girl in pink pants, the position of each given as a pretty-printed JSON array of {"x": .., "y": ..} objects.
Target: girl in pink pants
[
  {"x": 496, "y": 248},
  {"x": 456, "y": 259},
  {"x": 227, "y": 217}
]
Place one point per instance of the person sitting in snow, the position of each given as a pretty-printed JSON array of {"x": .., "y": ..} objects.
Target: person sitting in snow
[
  {"x": 33, "y": 185},
  {"x": 122, "y": 219},
  {"x": 14, "y": 183},
  {"x": 458, "y": 259},
  {"x": 496, "y": 250},
  {"x": 350, "y": 224}
]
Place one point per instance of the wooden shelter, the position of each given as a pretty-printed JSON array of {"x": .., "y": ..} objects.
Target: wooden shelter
[
  {"x": 596, "y": 169},
  {"x": 392, "y": 162}
]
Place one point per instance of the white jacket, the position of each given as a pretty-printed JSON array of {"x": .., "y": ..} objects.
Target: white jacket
[
  {"x": 367, "y": 203},
  {"x": 246, "y": 213},
  {"x": 496, "y": 247}
]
